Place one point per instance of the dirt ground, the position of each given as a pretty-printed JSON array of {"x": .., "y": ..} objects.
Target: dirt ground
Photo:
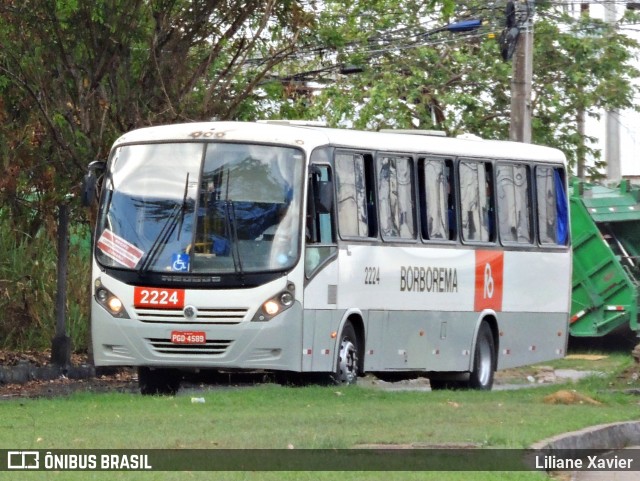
[{"x": 120, "y": 380}]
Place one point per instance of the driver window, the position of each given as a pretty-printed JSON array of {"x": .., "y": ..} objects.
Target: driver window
[{"x": 320, "y": 223}]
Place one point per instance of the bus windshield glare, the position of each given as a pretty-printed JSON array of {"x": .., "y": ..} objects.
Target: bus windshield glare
[{"x": 201, "y": 208}]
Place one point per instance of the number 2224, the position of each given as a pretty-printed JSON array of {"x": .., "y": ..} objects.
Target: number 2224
[{"x": 371, "y": 275}]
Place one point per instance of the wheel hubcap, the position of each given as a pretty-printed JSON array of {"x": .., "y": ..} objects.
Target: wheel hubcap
[
  {"x": 348, "y": 364},
  {"x": 484, "y": 369}
]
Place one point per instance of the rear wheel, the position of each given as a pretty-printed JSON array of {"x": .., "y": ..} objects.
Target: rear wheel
[
  {"x": 158, "y": 381},
  {"x": 484, "y": 366},
  {"x": 347, "y": 365},
  {"x": 484, "y": 360}
]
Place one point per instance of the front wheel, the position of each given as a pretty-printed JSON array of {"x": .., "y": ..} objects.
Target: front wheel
[
  {"x": 484, "y": 360},
  {"x": 347, "y": 366}
]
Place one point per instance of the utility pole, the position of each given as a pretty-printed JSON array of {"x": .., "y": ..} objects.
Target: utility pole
[
  {"x": 520, "y": 129},
  {"x": 580, "y": 119},
  {"x": 612, "y": 122},
  {"x": 61, "y": 343}
]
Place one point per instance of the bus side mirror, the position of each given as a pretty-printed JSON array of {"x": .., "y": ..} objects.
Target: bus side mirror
[{"x": 94, "y": 170}]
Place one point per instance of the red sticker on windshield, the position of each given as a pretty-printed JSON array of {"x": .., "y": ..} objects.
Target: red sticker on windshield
[{"x": 119, "y": 249}]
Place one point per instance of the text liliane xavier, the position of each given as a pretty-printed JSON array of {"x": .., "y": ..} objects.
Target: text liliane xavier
[{"x": 594, "y": 462}]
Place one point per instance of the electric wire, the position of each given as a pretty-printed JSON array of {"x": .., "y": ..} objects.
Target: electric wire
[{"x": 427, "y": 33}]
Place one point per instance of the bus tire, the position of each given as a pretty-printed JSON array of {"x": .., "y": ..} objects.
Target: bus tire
[
  {"x": 484, "y": 360},
  {"x": 347, "y": 365},
  {"x": 154, "y": 382}
]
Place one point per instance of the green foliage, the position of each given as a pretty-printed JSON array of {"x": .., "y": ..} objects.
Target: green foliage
[
  {"x": 80, "y": 74},
  {"x": 76, "y": 75},
  {"x": 413, "y": 74},
  {"x": 580, "y": 64},
  {"x": 28, "y": 289}
]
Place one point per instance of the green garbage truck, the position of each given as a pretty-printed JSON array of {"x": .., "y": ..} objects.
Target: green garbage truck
[{"x": 605, "y": 224}]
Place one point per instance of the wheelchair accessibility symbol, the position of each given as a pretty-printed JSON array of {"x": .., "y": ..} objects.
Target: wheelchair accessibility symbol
[{"x": 180, "y": 262}]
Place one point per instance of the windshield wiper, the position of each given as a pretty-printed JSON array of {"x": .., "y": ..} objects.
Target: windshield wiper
[
  {"x": 166, "y": 232},
  {"x": 235, "y": 238},
  {"x": 231, "y": 226},
  {"x": 184, "y": 205}
]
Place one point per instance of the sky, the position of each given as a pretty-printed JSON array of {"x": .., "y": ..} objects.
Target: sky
[{"x": 629, "y": 120}]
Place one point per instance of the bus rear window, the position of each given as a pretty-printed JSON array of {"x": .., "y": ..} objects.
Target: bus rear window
[
  {"x": 514, "y": 203},
  {"x": 553, "y": 214}
]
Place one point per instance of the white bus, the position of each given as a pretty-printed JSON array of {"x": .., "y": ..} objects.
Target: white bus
[{"x": 301, "y": 249}]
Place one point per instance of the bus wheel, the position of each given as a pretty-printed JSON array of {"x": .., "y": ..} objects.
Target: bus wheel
[
  {"x": 347, "y": 367},
  {"x": 484, "y": 360},
  {"x": 158, "y": 381}
]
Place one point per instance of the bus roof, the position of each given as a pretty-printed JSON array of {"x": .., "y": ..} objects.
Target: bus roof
[{"x": 310, "y": 137}]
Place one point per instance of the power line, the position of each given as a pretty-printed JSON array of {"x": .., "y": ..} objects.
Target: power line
[{"x": 425, "y": 33}]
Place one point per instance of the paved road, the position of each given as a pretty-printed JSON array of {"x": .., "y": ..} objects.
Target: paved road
[{"x": 611, "y": 475}]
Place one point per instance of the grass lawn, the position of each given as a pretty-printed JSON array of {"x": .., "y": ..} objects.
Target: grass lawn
[{"x": 314, "y": 417}]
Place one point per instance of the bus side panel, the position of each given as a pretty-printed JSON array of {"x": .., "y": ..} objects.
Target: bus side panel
[
  {"x": 419, "y": 341},
  {"x": 318, "y": 352},
  {"x": 533, "y": 324},
  {"x": 374, "y": 346},
  {"x": 419, "y": 302},
  {"x": 452, "y": 340},
  {"x": 422, "y": 304},
  {"x": 528, "y": 338},
  {"x": 321, "y": 319},
  {"x": 411, "y": 278},
  {"x": 537, "y": 281}
]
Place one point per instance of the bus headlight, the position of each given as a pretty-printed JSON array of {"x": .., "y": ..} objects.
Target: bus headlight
[
  {"x": 271, "y": 307},
  {"x": 115, "y": 305},
  {"x": 286, "y": 299},
  {"x": 109, "y": 301},
  {"x": 275, "y": 305}
]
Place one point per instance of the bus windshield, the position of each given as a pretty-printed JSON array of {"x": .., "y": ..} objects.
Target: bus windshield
[{"x": 201, "y": 208}]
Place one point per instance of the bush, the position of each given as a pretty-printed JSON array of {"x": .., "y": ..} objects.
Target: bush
[{"x": 28, "y": 288}]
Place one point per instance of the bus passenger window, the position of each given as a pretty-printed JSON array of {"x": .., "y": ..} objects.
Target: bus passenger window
[
  {"x": 356, "y": 210},
  {"x": 514, "y": 203},
  {"x": 437, "y": 199},
  {"x": 553, "y": 220},
  {"x": 395, "y": 194},
  {"x": 476, "y": 201}
]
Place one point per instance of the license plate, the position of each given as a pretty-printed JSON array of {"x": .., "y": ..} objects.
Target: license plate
[
  {"x": 188, "y": 337},
  {"x": 155, "y": 298}
]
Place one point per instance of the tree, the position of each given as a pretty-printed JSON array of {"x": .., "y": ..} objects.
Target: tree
[
  {"x": 582, "y": 64},
  {"x": 414, "y": 72},
  {"x": 74, "y": 75}
]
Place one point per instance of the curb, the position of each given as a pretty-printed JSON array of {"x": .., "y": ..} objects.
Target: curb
[
  {"x": 24, "y": 372},
  {"x": 605, "y": 437}
]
